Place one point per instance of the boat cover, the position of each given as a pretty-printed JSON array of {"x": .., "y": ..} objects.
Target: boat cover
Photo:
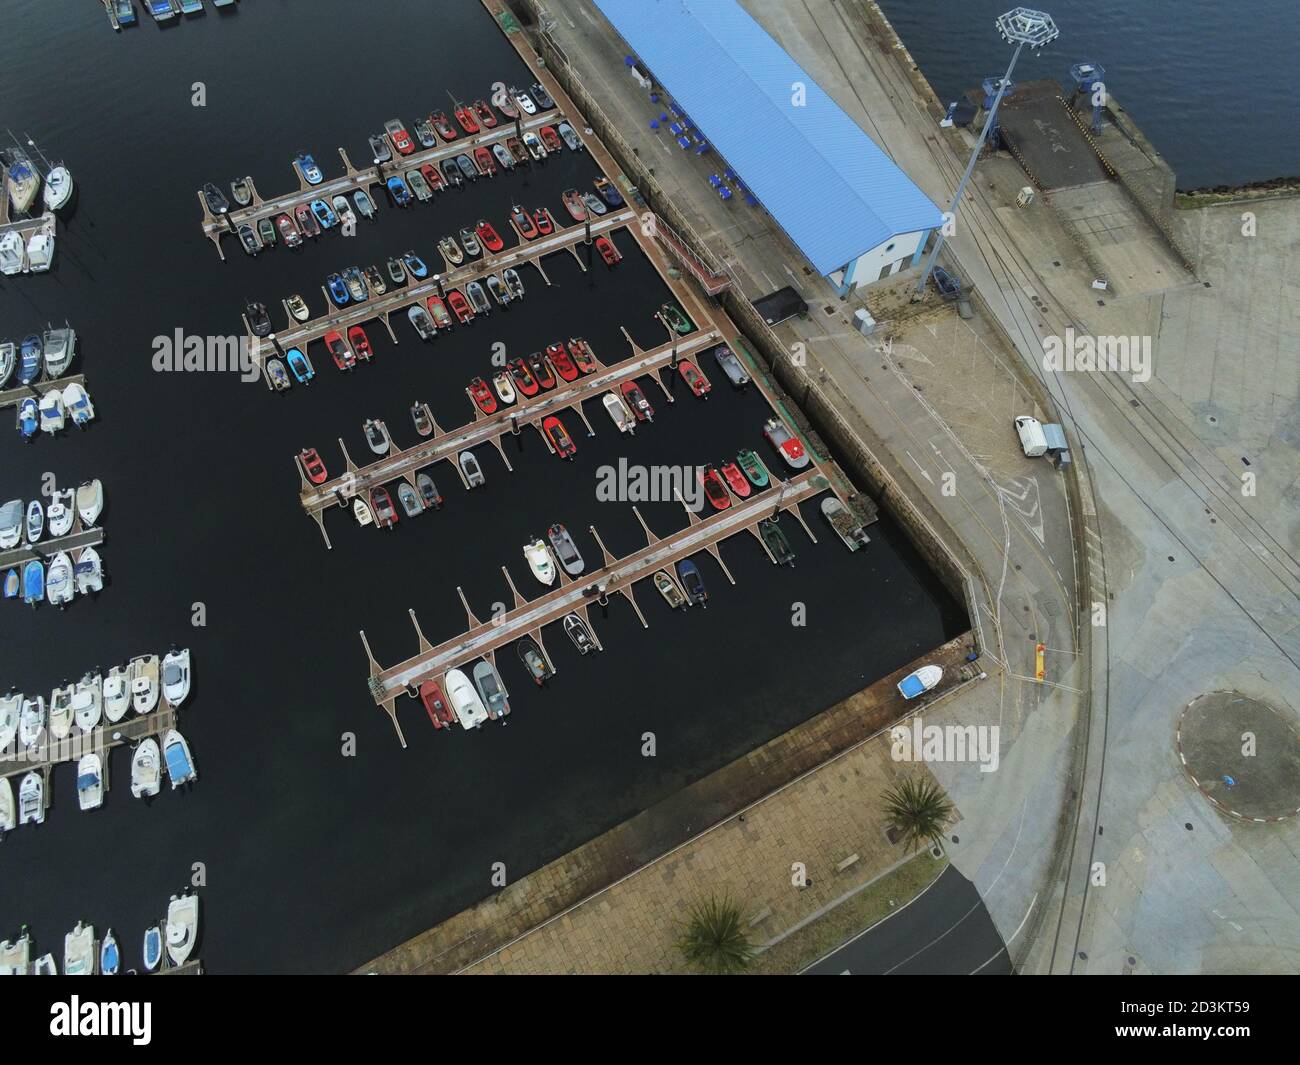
[{"x": 178, "y": 766}]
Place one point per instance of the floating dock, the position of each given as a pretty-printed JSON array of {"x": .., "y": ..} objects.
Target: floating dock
[
  {"x": 76, "y": 540},
  {"x": 11, "y": 397}
]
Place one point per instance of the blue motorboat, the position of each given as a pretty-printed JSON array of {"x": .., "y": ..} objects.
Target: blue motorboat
[
  {"x": 34, "y": 581},
  {"x": 124, "y": 12},
  {"x": 191, "y": 7},
  {"x": 400, "y": 193},
  {"x": 689, "y": 574},
  {"x": 607, "y": 192},
  {"x": 12, "y": 584},
  {"x": 338, "y": 289},
  {"x": 29, "y": 417},
  {"x": 414, "y": 264},
  {"x": 309, "y": 168},
  {"x": 161, "y": 10},
  {"x": 324, "y": 214},
  {"x": 299, "y": 366},
  {"x": 152, "y": 948},
  {"x": 110, "y": 958},
  {"x": 30, "y": 359}
]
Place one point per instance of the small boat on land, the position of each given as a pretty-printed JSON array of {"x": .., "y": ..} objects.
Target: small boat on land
[
  {"x": 182, "y": 927},
  {"x": 176, "y": 675},
  {"x": 576, "y": 630},
  {"x": 492, "y": 690},
  {"x": 690, "y": 373},
  {"x": 79, "y": 951},
  {"x": 146, "y": 769},
  {"x": 152, "y": 948},
  {"x": 117, "y": 693},
  {"x": 844, "y": 523},
  {"x": 558, "y": 436},
  {"x": 144, "y": 683},
  {"x": 714, "y": 489},
  {"x": 537, "y": 664},
  {"x": 622, "y": 417},
  {"x": 436, "y": 705},
  {"x": 539, "y": 561},
  {"x": 920, "y": 681},
  {"x": 177, "y": 759},
  {"x": 777, "y": 542},
  {"x": 565, "y": 549},
  {"x": 465, "y": 701},
  {"x": 669, "y": 590},
  {"x": 31, "y": 800},
  {"x": 753, "y": 467},
  {"x": 786, "y": 443},
  {"x": 731, "y": 366},
  {"x": 90, "y": 782},
  {"x": 689, "y": 575}
]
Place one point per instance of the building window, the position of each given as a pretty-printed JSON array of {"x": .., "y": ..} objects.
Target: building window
[{"x": 889, "y": 247}]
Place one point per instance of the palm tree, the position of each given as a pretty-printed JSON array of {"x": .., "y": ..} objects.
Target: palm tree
[
  {"x": 715, "y": 939},
  {"x": 918, "y": 810}
]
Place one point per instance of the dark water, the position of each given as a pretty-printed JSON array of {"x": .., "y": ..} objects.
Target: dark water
[
  {"x": 313, "y": 860},
  {"x": 1207, "y": 82}
]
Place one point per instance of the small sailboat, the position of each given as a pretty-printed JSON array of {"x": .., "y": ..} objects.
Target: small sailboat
[
  {"x": 110, "y": 958},
  {"x": 152, "y": 950},
  {"x": 667, "y": 587},
  {"x": 117, "y": 693},
  {"x": 88, "y": 573},
  {"x": 576, "y": 630},
  {"x": 539, "y": 561},
  {"x": 146, "y": 769},
  {"x": 144, "y": 683},
  {"x": 182, "y": 927},
  {"x": 176, "y": 676},
  {"x": 79, "y": 951},
  {"x": 176, "y": 756},
  {"x": 565, "y": 549},
  {"x": 88, "y": 701},
  {"x": 90, "y": 782},
  {"x": 31, "y": 800},
  {"x": 920, "y": 681}
]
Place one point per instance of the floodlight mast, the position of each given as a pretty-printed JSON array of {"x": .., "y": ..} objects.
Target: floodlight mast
[{"x": 1024, "y": 26}]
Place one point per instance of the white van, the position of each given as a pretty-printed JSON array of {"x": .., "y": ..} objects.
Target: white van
[{"x": 1033, "y": 440}]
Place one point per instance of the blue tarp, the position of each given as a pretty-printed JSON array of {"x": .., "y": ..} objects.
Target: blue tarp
[{"x": 178, "y": 766}]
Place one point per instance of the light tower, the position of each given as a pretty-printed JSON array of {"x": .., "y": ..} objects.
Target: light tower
[{"x": 1023, "y": 26}]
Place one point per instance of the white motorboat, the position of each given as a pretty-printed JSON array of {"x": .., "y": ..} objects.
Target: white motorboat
[
  {"x": 11, "y": 524},
  {"x": 59, "y": 587},
  {"x": 182, "y": 927},
  {"x": 176, "y": 675},
  {"x": 90, "y": 501},
  {"x": 469, "y": 708},
  {"x": 15, "y": 956},
  {"x": 377, "y": 438},
  {"x": 90, "y": 782},
  {"x": 177, "y": 759},
  {"x": 76, "y": 401},
  {"x": 13, "y": 254},
  {"x": 619, "y": 412},
  {"x": 79, "y": 951},
  {"x": 60, "y": 346},
  {"x": 11, "y": 705},
  {"x": 539, "y": 561},
  {"x": 31, "y": 721},
  {"x": 35, "y": 520},
  {"x": 110, "y": 958},
  {"x": 146, "y": 769},
  {"x": 152, "y": 950},
  {"x": 472, "y": 470},
  {"x": 53, "y": 414},
  {"x": 920, "y": 681},
  {"x": 58, "y": 188},
  {"x": 8, "y": 361},
  {"x": 492, "y": 690},
  {"x": 59, "y": 514},
  {"x": 144, "y": 683},
  {"x": 31, "y": 800},
  {"x": 117, "y": 693},
  {"x": 45, "y": 966},
  {"x": 40, "y": 252},
  {"x": 88, "y": 573},
  {"x": 8, "y": 811},
  {"x": 61, "y": 711},
  {"x": 88, "y": 701},
  {"x": 361, "y": 511}
]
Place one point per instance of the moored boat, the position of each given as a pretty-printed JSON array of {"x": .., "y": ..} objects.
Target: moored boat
[
  {"x": 146, "y": 769},
  {"x": 572, "y": 200},
  {"x": 565, "y": 549},
  {"x": 714, "y": 489},
  {"x": 736, "y": 480},
  {"x": 636, "y": 401},
  {"x": 690, "y": 373},
  {"x": 689, "y": 575},
  {"x": 144, "y": 683},
  {"x": 176, "y": 675},
  {"x": 539, "y": 561},
  {"x": 436, "y": 704},
  {"x": 668, "y": 588},
  {"x": 79, "y": 951},
  {"x": 88, "y": 702},
  {"x": 90, "y": 782},
  {"x": 753, "y": 467},
  {"x": 524, "y": 380},
  {"x": 492, "y": 690},
  {"x": 675, "y": 318},
  {"x": 177, "y": 759},
  {"x": 731, "y": 366},
  {"x": 117, "y": 693},
  {"x": 421, "y": 418},
  {"x": 577, "y": 631},
  {"x": 504, "y": 389},
  {"x": 59, "y": 585},
  {"x": 558, "y": 437},
  {"x": 780, "y": 437},
  {"x": 582, "y": 355},
  {"x": 535, "y": 661},
  {"x": 465, "y": 701},
  {"x": 777, "y": 542},
  {"x": 844, "y": 523},
  {"x": 622, "y": 417},
  {"x": 31, "y": 800},
  {"x": 182, "y": 927}
]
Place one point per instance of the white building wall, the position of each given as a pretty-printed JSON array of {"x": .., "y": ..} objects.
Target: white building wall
[{"x": 888, "y": 258}]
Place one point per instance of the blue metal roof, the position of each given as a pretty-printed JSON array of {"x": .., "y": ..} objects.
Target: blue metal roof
[{"x": 829, "y": 186}]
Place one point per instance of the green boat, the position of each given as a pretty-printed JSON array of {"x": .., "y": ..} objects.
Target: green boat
[
  {"x": 753, "y": 467},
  {"x": 776, "y": 542},
  {"x": 675, "y": 318}
]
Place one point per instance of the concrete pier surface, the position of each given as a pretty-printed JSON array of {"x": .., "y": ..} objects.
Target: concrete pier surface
[{"x": 1161, "y": 568}]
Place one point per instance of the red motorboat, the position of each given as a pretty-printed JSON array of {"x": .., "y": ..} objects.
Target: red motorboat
[
  {"x": 484, "y": 114},
  {"x": 608, "y": 252},
  {"x": 580, "y": 352},
  {"x": 564, "y": 365},
  {"x": 381, "y": 505},
  {"x": 466, "y": 119},
  {"x": 573, "y": 204},
  {"x": 306, "y": 221},
  {"x": 434, "y": 177},
  {"x": 525, "y": 382},
  {"x": 440, "y": 711},
  {"x": 523, "y": 222},
  {"x": 460, "y": 306},
  {"x": 544, "y": 222},
  {"x": 360, "y": 343},
  {"x": 482, "y": 395},
  {"x": 483, "y": 160},
  {"x": 636, "y": 400},
  {"x": 541, "y": 370},
  {"x": 339, "y": 350},
  {"x": 558, "y": 436},
  {"x": 738, "y": 482},
  {"x": 550, "y": 139},
  {"x": 443, "y": 125},
  {"x": 289, "y": 234},
  {"x": 312, "y": 466},
  {"x": 692, "y": 376},
  {"x": 714, "y": 488},
  {"x": 489, "y": 236},
  {"x": 438, "y": 311}
]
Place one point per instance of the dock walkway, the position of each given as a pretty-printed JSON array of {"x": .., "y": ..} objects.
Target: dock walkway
[{"x": 75, "y": 540}]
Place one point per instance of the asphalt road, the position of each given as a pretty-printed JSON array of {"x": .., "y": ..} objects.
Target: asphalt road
[{"x": 945, "y": 931}]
